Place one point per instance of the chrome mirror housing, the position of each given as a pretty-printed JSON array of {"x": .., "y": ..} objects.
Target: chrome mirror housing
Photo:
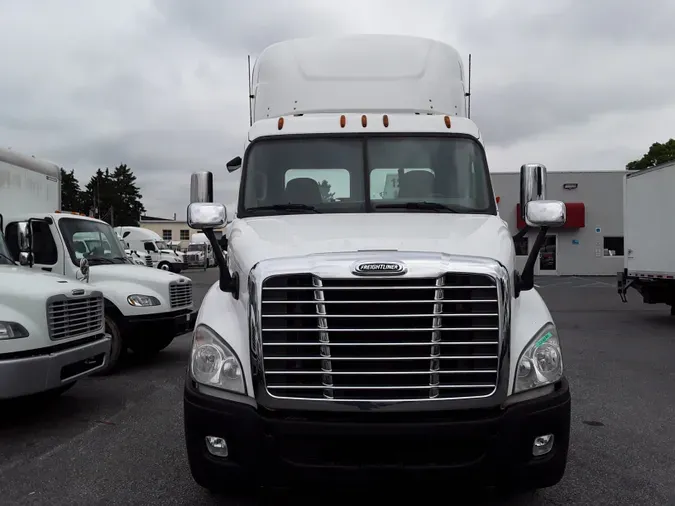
[
  {"x": 545, "y": 213},
  {"x": 205, "y": 215}
]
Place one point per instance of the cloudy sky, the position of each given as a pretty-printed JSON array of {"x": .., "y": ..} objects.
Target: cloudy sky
[{"x": 161, "y": 84}]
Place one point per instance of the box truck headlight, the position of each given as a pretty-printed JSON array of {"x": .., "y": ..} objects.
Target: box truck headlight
[
  {"x": 142, "y": 300},
  {"x": 213, "y": 363},
  {"x": 541, "y": 362},
  {"x": 12, "y": 330}
]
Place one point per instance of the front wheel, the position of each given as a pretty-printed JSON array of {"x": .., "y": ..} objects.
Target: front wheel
[
  {"x": 113, "y": 329},
  {"x": 165, "y": 266}
]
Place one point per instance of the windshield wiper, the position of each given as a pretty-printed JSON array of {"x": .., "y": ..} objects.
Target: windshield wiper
[
  {"x": 285, "y": 207},
  {"x": 100, "y": 259},
  {"x": 422, "y": 206}
]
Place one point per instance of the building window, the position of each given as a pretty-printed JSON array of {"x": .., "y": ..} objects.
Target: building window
[
  {"x": 166, "y": 235},
  {"x": 184, "y": 235},
  {"x": 612, "y": 246},
  {"x": 522, "y": 246}
]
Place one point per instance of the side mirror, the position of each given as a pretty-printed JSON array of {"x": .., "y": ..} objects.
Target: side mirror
[
  {"x": 24, "y": 236},
  {"x": 125, "y": 234},
  {"x": 545, "y": 213},
  {"x": 25, "y": 258},
  {"x": 234, "y": 164},
  {"x": 205, "y": 215},
  {"x": 201, "y": 187},
  {"x": 84, "y": 269},
  {"x": 532, "y": 185}
]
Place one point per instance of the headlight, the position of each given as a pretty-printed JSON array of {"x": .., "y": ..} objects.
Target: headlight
[
  {"x": 213, "y": 363},
  {"x": 142, "y": 300},
  {"x": 12, "y": 330},
  {"x": 541, "y": 362}
]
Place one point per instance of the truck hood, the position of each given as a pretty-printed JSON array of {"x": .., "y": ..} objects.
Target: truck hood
[
  {"x": 137, "y": 274},
  {"x": 255, "y": 239},
  {"x": 19, "y": 283},
  {"x": 119, "y": 281}
]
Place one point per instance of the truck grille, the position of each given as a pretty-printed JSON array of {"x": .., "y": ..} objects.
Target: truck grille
[
  {"x": 148, "y": 261},
  {"x": 380, "y": 339},
  {"x": 180, "y": 293},
  {"x": 75, "y": 317}
]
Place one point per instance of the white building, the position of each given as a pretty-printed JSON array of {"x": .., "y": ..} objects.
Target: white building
[{"x": 591, "y": 242}]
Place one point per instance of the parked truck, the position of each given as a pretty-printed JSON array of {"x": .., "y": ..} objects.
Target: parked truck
[
  {"x": 200, "y": 252},
  {"x": 144, "y": 240},
  {"x": 649, "y": 236},
  {"x": 144, "y": 308},
  {"x": 51, "y": 329},
  {"x": 353, "y": 332}
]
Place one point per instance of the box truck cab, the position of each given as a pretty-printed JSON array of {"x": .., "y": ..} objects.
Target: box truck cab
[
  {"x": 142, "y": 239},
  {"x": 144, "y": 308},
  {"x": 200, "y": 252},
  {"x": 353, "y": 331},
  {"x": 51, "y": 330}
]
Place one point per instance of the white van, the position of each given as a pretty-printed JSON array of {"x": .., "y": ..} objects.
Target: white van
[{"x": 142, "y": 239}]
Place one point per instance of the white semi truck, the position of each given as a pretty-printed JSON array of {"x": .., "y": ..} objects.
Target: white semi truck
[
  {"x": 143, "y": 240},
  {"x": 51, "y": 328},
  {"x": 144, "y": 308},
  {"x": 649, "y": 236},
  {"x": 354, "y": 332}
]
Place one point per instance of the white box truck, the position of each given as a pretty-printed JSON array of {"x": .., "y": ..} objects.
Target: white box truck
[
  {"x": 51, "y": 328},
  {"x": 144, "y": 308},
  {"x": 649, "y": 236},
  {"x": 200, "y": 252},
  {"x": 141, "y": 239},
  {"x": 359, "y": 334}
]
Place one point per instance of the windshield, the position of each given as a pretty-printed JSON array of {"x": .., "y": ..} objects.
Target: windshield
[
  {"x": 91, "y": 240},
  {"x": 196, "y": 247},
  {"x": 365, "y": 174},
  {"x": 5, "y": 255},
  {"x": 162, "y": 245}
]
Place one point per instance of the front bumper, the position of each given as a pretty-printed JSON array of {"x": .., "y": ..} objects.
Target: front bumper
[
  {"x": 492, "y": 447},
  {"x": 175, "y": 324},
  {"x": 27, "y": 373}
]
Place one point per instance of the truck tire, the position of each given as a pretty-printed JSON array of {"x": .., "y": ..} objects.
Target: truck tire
[
  {"x": 165, "y": 266},
  {"x": 116, "y": 346},
  {"x": 151, "y": 345}
]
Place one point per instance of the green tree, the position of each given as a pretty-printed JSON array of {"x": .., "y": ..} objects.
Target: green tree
[
  {"x": 71, "y": 193},
  {"x": 326, "y": 194},
  {"x": 658, "y": 153},
  {"x": 114, "y": 198}
]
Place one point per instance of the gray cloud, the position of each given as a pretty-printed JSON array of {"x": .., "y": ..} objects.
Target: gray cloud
[{"x": 161, "y": 84}]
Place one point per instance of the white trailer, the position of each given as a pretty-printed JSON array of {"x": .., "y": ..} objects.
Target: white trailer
[
  {"x": 360, "y": 328},
  {"x": 144, "y": 308},
  {"x": 649, "y": 235},
  {"x": 51, "y": 328}
]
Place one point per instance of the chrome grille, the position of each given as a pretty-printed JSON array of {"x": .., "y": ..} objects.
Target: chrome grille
[
  {"x": 180, "y": 293},
  {"x": 68, "y": 318},
  {"x": 380, "y": 339},
  {"x": 148, "y": 261}
]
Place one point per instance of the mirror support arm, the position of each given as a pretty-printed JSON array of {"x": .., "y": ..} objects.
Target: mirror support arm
[
  {"x": 525, "y": 280},
  {"x": 227, "y": 282}
]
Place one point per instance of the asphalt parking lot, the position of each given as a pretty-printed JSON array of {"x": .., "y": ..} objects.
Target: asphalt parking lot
[{"x": 119, "y": 439}]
